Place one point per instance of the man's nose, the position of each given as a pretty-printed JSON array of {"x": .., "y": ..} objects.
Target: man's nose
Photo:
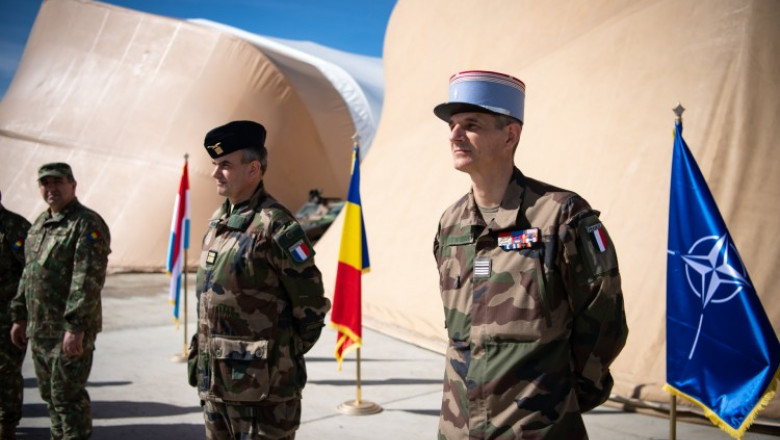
[{"x": 456, "y": 132}]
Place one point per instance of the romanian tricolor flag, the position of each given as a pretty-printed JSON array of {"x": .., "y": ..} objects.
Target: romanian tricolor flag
[
  {"x": 353, "y": 262},
  {"x": 180, "y": 240}
]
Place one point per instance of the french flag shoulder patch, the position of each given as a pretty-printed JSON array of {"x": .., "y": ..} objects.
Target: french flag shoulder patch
[
  {"x": 598, "y": 237},
  {"x": 300, "y": 251}
]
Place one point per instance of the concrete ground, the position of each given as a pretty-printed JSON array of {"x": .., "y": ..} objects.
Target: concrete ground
[{"x": 138, "y": 392}]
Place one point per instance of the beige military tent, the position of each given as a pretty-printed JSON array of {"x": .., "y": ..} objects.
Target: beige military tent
[
  {"x": 601, "y": 80},
  {"x": 123, "y": 96},
  {"x": 602, "y": 77}
]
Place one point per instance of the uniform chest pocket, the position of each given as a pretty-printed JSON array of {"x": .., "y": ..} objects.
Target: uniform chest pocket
[
  {"x": 517, "y": 302},
  {"x": 54, "y": 244},
  {"x": 222, "y": 262},
  {"x": 455, "y": 261},
  {"x": 240, "y": 371}
]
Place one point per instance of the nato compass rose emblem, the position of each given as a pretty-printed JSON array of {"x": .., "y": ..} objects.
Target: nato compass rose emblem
[{"x": 715, "y": 273}]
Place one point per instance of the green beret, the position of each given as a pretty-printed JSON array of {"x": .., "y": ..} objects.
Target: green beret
[
  {"x": 234, "y": 136},
  {"x": 56, "y": 169}
]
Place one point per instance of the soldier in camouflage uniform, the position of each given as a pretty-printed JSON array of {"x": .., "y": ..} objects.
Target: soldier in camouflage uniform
[
  {"x": 260, "y": 299},
  {"x": 58, "y": 304},
  {"x": 13, "y": 232},
  {"x": 529, "y": 281}
]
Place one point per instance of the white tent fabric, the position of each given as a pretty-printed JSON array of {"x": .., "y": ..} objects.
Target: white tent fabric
[
  {"x": 122, "y": 96},
  {"x": 357, "y": 78}
]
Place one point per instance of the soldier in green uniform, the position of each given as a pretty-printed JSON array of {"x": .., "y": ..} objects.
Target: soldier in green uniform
[
  {"x": 529, "y": 282},
  {"x": 13, "y": 233},
  {"x": 57, "y": 305},
  {"x": 260, "y": 298}
]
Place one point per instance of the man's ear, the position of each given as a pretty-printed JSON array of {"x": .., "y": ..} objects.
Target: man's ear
[
  {"x": 255, "y": 168},
  {"x": 513, "y": 134}
]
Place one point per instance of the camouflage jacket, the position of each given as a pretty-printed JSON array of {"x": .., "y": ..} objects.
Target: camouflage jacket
[
  {"x": 260, "y": 304},
  {"x": 13, "y": 233},
  {"x": 534, "y": 313},
  {"x": 67, "y": 256}
]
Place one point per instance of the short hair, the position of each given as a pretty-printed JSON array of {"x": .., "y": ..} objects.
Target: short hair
[
  {"x": 258, "y": 154},
  {"x": 504, "y": 120}
]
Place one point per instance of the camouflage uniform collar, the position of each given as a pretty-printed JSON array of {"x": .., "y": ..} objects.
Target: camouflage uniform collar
[
  {"x": 509, "y": 208},
  {"x": 240, "y": 215},
  {"x": 258, "y": 196},
  {"x": 254, "y": 201},
  {"x": 65, "y": 212}
]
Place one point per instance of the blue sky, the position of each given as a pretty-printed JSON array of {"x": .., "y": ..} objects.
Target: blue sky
[{"x": 356, "y": 26}]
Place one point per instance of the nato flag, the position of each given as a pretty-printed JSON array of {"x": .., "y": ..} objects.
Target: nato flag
[{"x": 721, "y": 350}]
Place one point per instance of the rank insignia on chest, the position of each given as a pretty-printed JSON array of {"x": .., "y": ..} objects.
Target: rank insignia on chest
[
  {"x": 482, "y": 268},
  {"x": 211, "y": 257},
  {"x": 523, "y": 239},
  {"x": 300, "y": 251}
]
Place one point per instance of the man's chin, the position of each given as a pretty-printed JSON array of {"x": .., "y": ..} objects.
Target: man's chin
[{"x": 460, "y": 166}]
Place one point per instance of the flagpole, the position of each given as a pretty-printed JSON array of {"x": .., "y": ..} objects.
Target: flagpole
[
  {"x": 182, "y": 357},
  {"x": 358, "y": 392},
  {"x": 358, "y": 407},
  {"x": 678, "y": 111},
  {"x": 184, "y": 287},
  {"x": 673, "y": 419}
]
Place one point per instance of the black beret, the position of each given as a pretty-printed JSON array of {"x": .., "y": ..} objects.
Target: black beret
[{"x": 234, "y": 136}]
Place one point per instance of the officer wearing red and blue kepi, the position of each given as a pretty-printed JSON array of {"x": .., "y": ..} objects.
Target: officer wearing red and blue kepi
[{"x": 529, "y": 282}]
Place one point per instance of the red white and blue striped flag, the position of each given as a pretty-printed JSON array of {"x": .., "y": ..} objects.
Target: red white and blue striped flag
[
  {"x": 346, "y": 315},
  {"x": 180, "y": 240}
]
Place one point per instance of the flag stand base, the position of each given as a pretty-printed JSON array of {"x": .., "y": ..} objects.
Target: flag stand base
[
  {"x": 178, "y": 358},
  {"x": 362, "y": 408}
]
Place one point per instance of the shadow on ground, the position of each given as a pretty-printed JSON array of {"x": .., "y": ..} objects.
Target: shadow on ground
[
  {"x": 119, "y": 410},
  {"x": 122, "y": 432}
]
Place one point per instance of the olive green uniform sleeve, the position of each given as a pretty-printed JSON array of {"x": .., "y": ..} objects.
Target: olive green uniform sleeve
[
  {"x": 590, "y": 272},
  {"x": 13, "y": 233},
  {"x": 17, "y": 309},
  {"x": 90, "y": 261},
  {"x": 294, "y": 258}
]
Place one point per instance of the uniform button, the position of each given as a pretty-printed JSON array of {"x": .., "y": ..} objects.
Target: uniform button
[{"x": 218, "y": 352}]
